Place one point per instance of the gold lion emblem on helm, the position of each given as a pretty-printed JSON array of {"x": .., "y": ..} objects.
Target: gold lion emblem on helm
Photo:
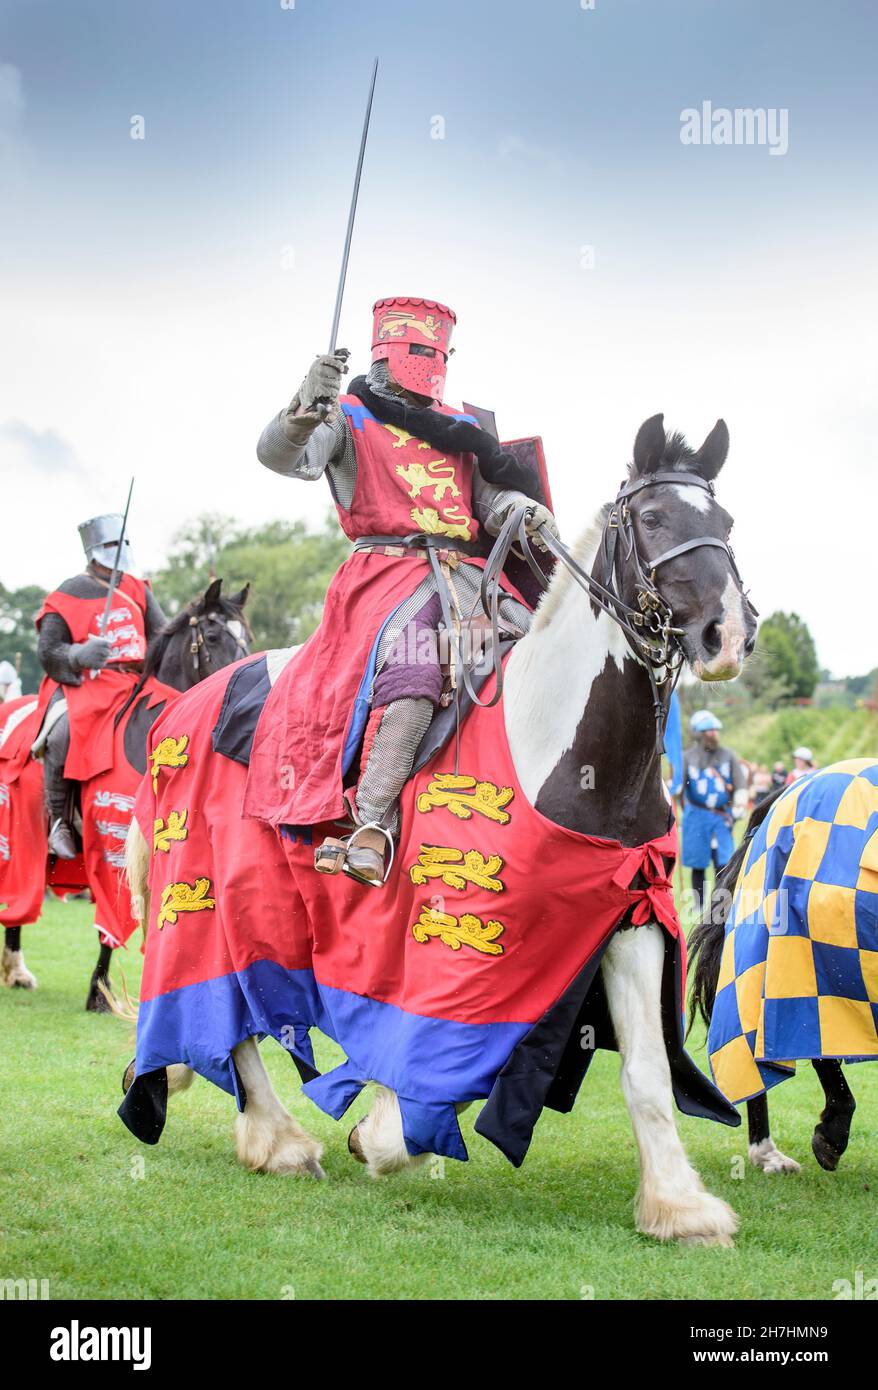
[{"x": 394, "y": 323}]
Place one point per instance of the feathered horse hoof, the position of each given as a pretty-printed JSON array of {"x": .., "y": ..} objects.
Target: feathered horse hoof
[
  {"x": 96, "y": 1002},
  {"x": 354, "y": 1145},
  {"x": 14, "y": 974}
]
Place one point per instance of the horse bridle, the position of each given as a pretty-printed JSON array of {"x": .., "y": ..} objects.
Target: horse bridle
[
  {"x": 200, "y": 651},
  {"x": 648, "y": 628}
]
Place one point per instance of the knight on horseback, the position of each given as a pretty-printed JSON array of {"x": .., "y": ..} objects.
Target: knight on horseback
[
  {"x": 414, "y": 480},
  {"x": 89, "y": 672}
]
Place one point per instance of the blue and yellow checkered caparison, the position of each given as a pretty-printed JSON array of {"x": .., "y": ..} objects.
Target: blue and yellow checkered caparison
[{"x": 799, "y": 971}]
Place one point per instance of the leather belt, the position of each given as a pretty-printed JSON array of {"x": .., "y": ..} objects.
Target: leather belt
[
  {"x": 416, "y": 540},
  {"x": 396, "y": 550}
]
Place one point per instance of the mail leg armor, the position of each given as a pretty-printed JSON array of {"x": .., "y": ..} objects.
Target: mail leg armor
[{"x": 59, "y": 792}]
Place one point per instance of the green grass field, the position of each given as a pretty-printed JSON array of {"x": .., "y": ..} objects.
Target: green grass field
[{"x": 74, "y": 1208}]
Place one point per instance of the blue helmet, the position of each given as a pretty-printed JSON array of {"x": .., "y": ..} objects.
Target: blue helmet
[{"x": 702, "y": 720}]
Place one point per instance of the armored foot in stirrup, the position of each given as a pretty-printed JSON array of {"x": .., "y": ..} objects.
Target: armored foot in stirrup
[
  {"x": 61, "y": 840},
  {"x": 361, "y": 856}
]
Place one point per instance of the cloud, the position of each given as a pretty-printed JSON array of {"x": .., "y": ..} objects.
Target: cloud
[{"x": 43, "y": 450}]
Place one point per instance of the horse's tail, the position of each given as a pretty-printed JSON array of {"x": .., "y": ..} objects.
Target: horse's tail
[
  {"x": 137, "y": 873},
  {"x": 705, "y": 946},
  {"x": 125, "y": 1008}
]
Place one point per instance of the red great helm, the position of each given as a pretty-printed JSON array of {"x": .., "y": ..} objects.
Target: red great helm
[{"x": 412, "y": 336}]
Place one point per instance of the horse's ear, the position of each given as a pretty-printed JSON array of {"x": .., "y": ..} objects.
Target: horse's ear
[
  {"x": 211, "y": 595},
  {"x": 712, "y": 454},
  {"x": 649, "y": 445},
  {"x": 240, "y": 598}
]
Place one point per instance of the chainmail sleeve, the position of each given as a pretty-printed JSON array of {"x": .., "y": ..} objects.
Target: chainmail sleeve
[
  {"x": 299, "y": 450},
  {"x": 53, "y": 650}
]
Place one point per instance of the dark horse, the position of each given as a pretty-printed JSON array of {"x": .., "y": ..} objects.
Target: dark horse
[
  {"x": 832, "y": 1132},
  {"x": 210, "y": 632}
]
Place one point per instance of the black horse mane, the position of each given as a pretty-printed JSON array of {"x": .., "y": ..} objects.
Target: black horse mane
[
  {"x": 677, "y": 453},
  {"x": 677, "y": 450}
]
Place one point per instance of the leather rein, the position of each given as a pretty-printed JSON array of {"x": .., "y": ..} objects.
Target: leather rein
[{"x": 648, "y": 627}]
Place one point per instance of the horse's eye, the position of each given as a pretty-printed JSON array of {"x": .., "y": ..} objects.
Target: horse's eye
[{"x": 650, "y": 521}]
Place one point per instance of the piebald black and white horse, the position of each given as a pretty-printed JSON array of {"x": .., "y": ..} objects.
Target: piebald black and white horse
[{"x": 582, "y": 691}]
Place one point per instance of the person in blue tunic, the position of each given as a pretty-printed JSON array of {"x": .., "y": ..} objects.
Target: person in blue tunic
[{"x": 714, "y": 787}]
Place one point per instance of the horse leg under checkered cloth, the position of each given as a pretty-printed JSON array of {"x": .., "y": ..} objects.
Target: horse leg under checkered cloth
[{"x": 784, "y": 957}]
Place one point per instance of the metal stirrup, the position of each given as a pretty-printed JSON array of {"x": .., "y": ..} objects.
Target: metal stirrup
[{"x": 374, "y": 825}]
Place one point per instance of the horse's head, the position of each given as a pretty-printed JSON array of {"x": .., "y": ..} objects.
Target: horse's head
[
  {"x": 220, "y": 634},
  {"x": 209, "y": 633},
  {"x": 681, "y": 536}
]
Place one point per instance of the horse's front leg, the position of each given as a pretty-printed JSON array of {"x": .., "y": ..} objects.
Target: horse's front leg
[
  {"x": 378, "y": 1141},
  {"x": 830, "y": 1138},
  {"x": 671, "y": 1203},
  {"x": 14, "y": 974},
  {"x": 763, "y": 1152},
  {"x": 269, "y": 1140}
]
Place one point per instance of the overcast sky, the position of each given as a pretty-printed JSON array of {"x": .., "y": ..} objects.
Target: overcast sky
[{"x": 161, "y": 298}]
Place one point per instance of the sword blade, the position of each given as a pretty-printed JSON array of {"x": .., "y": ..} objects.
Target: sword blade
[
  {"x": 333, "y": 339},
  {"x": 114, "y": 577}
]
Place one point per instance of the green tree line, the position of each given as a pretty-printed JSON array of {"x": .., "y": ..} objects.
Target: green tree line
[
  {"x": 18, "y": 636},
  {"x": 287, "y": 564},
  {"x": 784, "y": 665}
]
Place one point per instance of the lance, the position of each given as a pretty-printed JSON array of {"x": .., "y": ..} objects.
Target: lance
[
  {"x": 333, "y": 337},
  {"x": 114, "y": 577}
]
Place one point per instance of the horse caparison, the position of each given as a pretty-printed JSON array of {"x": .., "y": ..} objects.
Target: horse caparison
[
  {"x": 208, "y": 633},
  {"x": 581, "y": 691}
]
